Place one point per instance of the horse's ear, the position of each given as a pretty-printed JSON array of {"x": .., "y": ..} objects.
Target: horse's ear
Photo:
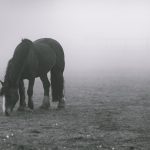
[{"x": 2, "y": 82}]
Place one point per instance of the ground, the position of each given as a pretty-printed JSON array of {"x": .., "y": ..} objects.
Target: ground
[{"x": 102, "y": 113}]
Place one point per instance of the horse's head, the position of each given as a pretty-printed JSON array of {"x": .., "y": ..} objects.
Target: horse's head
[{"x": 10, "y": 97}]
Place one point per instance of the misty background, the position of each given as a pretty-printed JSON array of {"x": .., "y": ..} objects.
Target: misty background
[{"x": 98, "y": 36}]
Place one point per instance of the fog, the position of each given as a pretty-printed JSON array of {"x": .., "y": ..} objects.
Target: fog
[{"x": 97, "y": 35}]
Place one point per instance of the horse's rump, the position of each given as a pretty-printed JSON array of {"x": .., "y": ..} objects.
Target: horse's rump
[{"x": 50, "y": 49}]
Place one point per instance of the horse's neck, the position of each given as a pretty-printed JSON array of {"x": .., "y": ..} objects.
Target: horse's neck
[
  {"x": 11, "y": 77},
  {"x": 15, "y": 69}
]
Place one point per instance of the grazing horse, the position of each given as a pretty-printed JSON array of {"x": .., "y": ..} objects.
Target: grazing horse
[{"x": 31, "y": 60}]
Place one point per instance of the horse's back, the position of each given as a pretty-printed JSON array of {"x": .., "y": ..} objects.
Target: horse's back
[{"x": 52, "y": 44}]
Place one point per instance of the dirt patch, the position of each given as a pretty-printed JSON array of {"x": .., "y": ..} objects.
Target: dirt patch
[{"x": 104, "y": 115}]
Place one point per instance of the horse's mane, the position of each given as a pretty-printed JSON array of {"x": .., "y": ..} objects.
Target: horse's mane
[
  {"x": 7, "y": 71},
  {"x": 25, "y": 40},
  {"x": 22, "y": 48},
  {"x": 16, "y": 63}
]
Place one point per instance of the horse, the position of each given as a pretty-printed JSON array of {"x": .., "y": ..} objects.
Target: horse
[{"x": 32, "y": 59}]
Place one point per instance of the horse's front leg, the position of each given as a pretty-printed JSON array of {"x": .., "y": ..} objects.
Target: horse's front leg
[
  {"x": 22, "y": 104},
  {"x": 30, "y": 93}
]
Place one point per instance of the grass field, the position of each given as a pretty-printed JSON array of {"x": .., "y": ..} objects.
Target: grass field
[{"x": 102, "y": 113}]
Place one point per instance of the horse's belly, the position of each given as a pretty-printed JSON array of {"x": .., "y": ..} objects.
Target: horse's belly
[
  {"x": 38, "y": 70},
  {"x": 39, "y": 62}
]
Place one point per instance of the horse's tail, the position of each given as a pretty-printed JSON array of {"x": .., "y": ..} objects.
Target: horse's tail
[{"x": 57, "y": 83}]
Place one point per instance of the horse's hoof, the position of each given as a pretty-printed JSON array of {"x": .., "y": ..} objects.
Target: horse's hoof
[
  {"x": 30, "y": 105},
  {"x": 28, "y": 109},
  {"x": 55, "y": 100},
  {"x": 45, "y": 107},
  {"x": 21, "y": 108},
  {"x": 61, "y": 105},
  {"x": 46, "y": 103}
]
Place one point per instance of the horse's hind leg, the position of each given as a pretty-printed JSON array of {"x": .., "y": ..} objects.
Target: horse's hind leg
[
  {"x": 30, "y": 93},
  {"x": 61, "y": 103},
  {"x": 57, "y": 84},
  {"x": 22, "y": 104},
  {"x": 46, "y": 86}
]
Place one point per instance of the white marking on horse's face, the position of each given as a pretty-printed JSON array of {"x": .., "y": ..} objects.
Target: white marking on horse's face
[{"x": 3, "y": 105}]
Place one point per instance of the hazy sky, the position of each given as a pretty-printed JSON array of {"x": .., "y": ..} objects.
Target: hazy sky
[{"x": 95, "y": 34}]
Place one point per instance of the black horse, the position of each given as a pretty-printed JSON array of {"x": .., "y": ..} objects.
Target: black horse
[{"x": 31, "y": 60}]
